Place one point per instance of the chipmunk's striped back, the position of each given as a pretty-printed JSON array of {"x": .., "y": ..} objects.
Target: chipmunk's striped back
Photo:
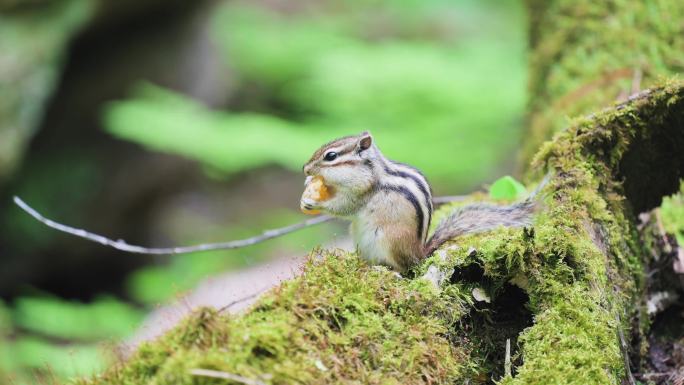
[{"x": 410, "y": 183}]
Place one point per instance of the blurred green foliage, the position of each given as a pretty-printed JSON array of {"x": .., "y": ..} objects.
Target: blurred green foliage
[
  {"x": 103, "y": 318},
  {"x": 424, "y": 77},
  {"x": 5, "y": 327},
  {"x": 55, "y": 360},
  {"x": 47, "y": 338}
]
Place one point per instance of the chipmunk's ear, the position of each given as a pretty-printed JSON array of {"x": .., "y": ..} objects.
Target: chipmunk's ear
[{"x": 365, "y": 140}]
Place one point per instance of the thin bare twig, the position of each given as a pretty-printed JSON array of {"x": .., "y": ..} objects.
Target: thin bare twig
[
  {"x": 624, "y": 348},
  {"x": 236, "y": 244},
  {"x": 123, "y": 246},
  {"x": 240, "y": 300},
  {"x": 507, "y": 361},
  {"x": 225, "y": 376}
]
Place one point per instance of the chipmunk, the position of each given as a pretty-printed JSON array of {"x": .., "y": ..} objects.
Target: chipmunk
[{"x": 390, "y": 203}]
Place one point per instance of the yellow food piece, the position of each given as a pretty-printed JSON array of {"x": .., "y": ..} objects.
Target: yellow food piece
[{"x": 316, "y": 191}]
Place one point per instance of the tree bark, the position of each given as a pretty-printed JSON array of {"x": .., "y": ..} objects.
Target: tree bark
[
  {"x": 564, "y": 292},
  {"x": 33, "y": 38}
]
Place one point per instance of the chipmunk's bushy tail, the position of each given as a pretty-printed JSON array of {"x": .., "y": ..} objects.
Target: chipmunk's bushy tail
[{"x": 481, "y": 217}]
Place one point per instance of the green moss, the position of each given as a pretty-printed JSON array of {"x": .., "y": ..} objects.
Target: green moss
[
  {"x": 339, "y": 321},
  {"x": 572, "y": 342}
]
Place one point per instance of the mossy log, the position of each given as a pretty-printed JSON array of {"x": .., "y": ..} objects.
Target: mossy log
[{"x": 565, "y": 291}]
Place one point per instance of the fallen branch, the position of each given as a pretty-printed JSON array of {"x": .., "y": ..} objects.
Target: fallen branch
[{"x": 236, "y": 244}]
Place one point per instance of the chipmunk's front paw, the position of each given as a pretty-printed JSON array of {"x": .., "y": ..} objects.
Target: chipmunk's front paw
[{"x": 309, "y": 206}]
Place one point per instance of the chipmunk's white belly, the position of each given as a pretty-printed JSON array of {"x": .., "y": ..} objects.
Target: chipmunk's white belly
[{"x": 370, "y": 241}]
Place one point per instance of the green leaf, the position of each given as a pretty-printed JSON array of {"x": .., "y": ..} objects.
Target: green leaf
[{"x": 507, "y": 188}]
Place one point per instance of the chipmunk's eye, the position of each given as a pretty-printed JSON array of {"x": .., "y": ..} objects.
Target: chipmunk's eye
[{"x": 330, "y": 156}]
